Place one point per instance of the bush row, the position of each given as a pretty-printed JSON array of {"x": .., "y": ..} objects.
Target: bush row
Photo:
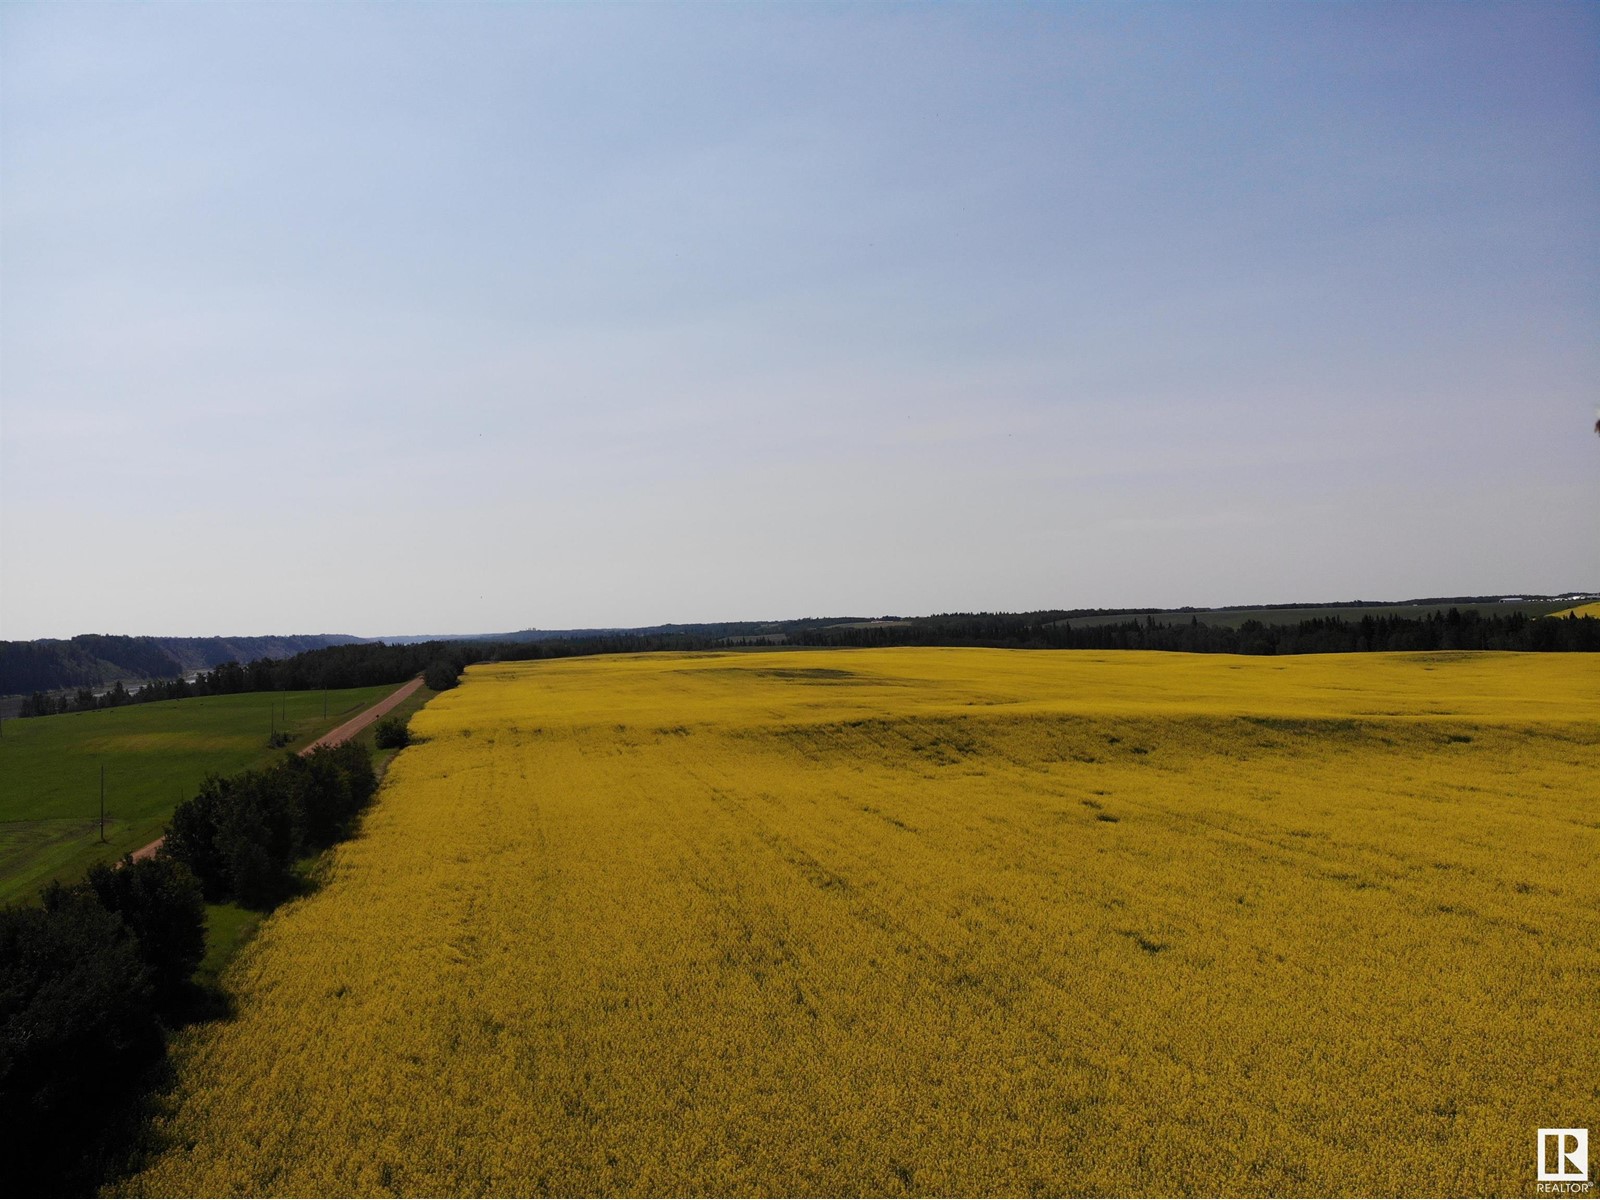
[{"x": 241, "y": 835}]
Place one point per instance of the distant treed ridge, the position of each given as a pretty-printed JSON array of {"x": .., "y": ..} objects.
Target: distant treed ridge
[
  {"x": 367, "y": 664},
  {"x": 1454, "y": 629},
  {"x": 374, "y": 664},
  {"x": 92, "y": 660}
]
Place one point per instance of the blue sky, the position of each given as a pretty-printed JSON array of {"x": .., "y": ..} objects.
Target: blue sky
[{"x": 403, "y": 318}]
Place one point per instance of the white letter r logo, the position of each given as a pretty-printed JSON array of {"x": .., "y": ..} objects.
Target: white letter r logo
[{"x": 1571, "y": 1155}]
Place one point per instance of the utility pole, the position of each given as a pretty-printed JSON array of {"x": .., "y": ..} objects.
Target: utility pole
[{"x": 102, "y": 802}]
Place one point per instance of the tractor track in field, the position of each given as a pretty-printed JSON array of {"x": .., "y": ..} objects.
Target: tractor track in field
[{"x": 333, "y": 737}]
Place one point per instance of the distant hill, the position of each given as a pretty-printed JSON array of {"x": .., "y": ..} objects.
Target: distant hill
[
  {"x": 1005, "y": 625},
  {"x": 712, "y": 629},
  {"x": 95, "y": 660},
  {"x": 1346, "y": 610}
]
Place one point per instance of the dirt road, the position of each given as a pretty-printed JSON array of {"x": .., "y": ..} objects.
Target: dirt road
[
  {"x": 333, "y": 737},
  {"x": 359, "y": 722}
]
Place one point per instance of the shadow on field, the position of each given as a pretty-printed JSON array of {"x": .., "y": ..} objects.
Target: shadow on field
[{"x": 202, "y": 1003}]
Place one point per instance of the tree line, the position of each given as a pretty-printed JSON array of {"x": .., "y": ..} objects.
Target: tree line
[
  {"x": 1452, "y": 630},
  {"x": 90, "y": 659},
  {"x": 94, "y": 976},
  {"x": 241, "y": 836}
]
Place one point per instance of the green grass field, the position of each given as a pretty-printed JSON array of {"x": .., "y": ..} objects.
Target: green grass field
[
  {"x": 1232, "y": 618},
  {"x": 154, "y": 755}
]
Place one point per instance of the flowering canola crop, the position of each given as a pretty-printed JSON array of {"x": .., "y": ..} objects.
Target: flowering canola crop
[{"x": 936, "y": 922}]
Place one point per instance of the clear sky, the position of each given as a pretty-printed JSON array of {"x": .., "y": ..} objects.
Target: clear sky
[{"x": 409, "y": 318}]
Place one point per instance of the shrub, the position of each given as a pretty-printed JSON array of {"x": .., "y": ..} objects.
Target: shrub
[
  {"x": 159, "y": 901},
  {"x": 192, "y": 836},
  {"x": 391, "y": 734},
  {"x": 440, "y": 676},
  {"x": 259, "y": 880},
  {"x": 356, "y": 764},
  {"x": 77, "y": 1029},
  {"x": 241, "y": 836},
  {"x": 256, "y": 834},
  {"x": 332, "y": 785}
]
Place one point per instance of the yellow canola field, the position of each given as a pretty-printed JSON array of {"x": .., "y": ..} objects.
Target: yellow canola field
[
  {"x": 1582, "y": 610},
  {"x": 959, "y": 922}
]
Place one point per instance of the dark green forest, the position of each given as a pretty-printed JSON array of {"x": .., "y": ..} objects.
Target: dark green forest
[{"x": 92, "y": 660}]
